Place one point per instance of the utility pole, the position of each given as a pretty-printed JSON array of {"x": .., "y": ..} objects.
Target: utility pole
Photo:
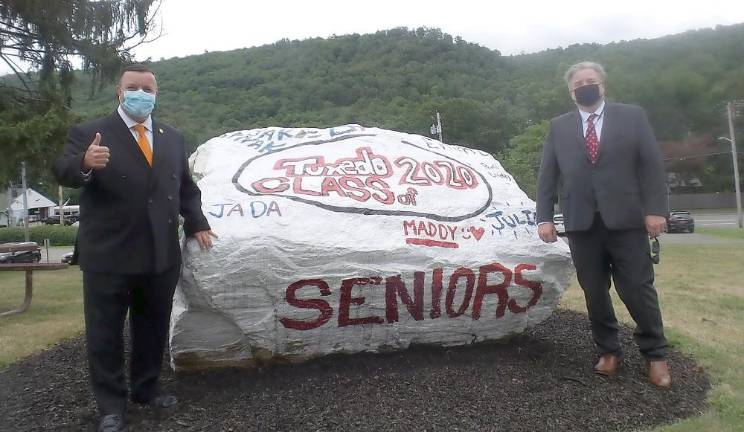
[
  {"x": 25, "y": 201},
  {"x": 734, "y": 156},
  {"x": 61, "y": 213},
  {"x": 437, "y": 128}
]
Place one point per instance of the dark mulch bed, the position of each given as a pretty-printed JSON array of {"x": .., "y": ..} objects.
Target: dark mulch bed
[{"x": 539, "y": 381}]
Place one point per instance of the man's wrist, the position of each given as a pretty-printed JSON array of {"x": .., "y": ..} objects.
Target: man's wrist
[
  {"x": 83, "y": 168},
  {"x": 86, "y": 174}
]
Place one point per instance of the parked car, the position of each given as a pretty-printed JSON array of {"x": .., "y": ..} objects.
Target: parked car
[
  {"x": 54, "y": 220},
  {"x": 558, "y": 222},
  {"x": 680, "y": 221},
  {"x": 31, "y": 256},
  {"x": 66, "y": 258}
]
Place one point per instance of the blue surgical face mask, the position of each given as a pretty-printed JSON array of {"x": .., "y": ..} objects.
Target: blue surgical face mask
[{"x": 138, "y": 103}]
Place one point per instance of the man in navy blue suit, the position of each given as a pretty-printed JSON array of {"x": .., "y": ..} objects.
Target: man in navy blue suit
[{"x": 135, "y": 183}]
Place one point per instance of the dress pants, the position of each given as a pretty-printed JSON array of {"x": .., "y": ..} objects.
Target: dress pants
[
  {"x": 623, "y": 255},
  {"x": 148, "y": 298}
]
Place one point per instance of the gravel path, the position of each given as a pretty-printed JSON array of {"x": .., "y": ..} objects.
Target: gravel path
[{"x": 538, "y": 381}]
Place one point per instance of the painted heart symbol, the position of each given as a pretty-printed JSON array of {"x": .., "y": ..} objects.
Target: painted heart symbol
[{"x": 477, "y": 232}]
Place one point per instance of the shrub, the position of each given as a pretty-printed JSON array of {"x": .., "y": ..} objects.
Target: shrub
[{"x": 57, "y": 235}]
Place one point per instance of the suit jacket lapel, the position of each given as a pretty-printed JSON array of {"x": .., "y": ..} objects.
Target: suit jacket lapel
[
  {"x": 125, "y": 138},
  {"x": 579, "y": 133},
  {"x": 156, "y": 141},
  {"x": 609, "y": 128}
]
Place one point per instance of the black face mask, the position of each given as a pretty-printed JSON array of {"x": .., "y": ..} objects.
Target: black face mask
[{"x": 587, "y": 95}]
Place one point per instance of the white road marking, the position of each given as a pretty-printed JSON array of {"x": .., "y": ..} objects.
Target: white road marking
[{"x": 711, "y": 220}]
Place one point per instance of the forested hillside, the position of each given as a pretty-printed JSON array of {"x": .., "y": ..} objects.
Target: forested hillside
[{"x": 398, "y": 79}]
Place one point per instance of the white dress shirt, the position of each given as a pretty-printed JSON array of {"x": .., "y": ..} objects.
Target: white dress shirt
[
  {"x": 131, "y": 123},
  {"x": 585, "y": 124},
  {"x": 597, "y": 121}
]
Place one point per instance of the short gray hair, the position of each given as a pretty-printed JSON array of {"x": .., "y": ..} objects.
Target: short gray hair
[{"x": 584, "y": 65}]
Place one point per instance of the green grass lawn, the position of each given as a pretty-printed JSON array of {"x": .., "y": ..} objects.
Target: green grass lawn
[
  {"x": 727, "y": 233},
  {"x": 56, "y": 312},
  {"x": 702, "y": 299},
  {"x": 700, "y": 290}
]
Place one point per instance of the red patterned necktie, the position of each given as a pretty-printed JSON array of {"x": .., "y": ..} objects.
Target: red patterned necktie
[{"x": 592, "y": 142}]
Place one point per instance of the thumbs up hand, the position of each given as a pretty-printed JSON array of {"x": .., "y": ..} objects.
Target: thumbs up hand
[{"x": 97, "y": 156}]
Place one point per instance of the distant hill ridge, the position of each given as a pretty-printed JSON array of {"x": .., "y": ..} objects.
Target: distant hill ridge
[{"x": 397, "y": 79}]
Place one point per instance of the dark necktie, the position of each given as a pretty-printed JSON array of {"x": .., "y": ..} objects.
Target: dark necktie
[{"x": 592, "y": 142}]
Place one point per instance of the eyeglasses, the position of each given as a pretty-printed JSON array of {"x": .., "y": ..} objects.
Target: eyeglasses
[{"x": 655, "y": 250}]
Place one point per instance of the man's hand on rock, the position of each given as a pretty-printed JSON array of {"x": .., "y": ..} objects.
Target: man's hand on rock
[{"x": 204, "y": 238}]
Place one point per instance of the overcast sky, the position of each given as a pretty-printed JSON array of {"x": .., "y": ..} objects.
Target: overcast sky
[{"x": 512, "y": 27}]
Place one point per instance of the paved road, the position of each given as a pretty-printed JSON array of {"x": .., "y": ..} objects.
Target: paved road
[
  {"x": 715, "y": 220},
  {"x": 55, "y": 253},
  {"x": 705, "y": 220}
]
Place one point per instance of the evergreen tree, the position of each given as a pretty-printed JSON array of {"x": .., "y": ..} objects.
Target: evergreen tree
[{"x": 39, "y": 42}]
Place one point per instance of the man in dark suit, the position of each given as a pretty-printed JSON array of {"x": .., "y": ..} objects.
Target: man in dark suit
[
  {"x": 613, "y": 197},
  {"x": 135, "y": 179}
]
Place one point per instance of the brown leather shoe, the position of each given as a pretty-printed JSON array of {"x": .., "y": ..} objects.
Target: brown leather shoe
[
  {"x": 658, "y": 374},
  {"x": 608, "y": 364}
]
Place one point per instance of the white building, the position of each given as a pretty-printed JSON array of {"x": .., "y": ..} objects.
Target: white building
[
  {"x": 39, "y": 208},
  {"x": 4, "y": 204}
]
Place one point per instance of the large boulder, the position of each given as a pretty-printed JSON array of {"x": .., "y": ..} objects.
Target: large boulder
[{"x": 353, "y": 239}]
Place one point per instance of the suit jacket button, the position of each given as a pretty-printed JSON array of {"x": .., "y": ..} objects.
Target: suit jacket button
[
  {"x": 123, "y": 177},
  {"x": 149, "y": 201},
  {"x": 173, "y": 175},
  {"x": 170, "y": 198}
]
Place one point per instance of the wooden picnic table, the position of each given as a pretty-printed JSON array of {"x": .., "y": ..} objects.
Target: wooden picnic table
[{"x": 29, "y": 269}]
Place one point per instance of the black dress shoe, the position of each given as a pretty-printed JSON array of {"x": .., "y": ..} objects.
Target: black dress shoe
[
  {"x": 159, "y": 401},
  {"x": 112, "y": 423}
]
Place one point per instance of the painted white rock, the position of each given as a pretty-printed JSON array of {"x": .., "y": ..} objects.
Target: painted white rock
[{"x": 354, "y": 239}]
